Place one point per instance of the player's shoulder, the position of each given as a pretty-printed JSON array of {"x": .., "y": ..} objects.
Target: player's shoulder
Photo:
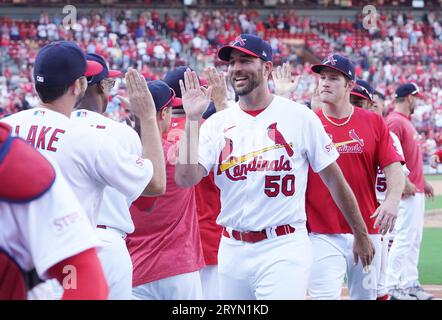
[
  {"x": 292, "y": 110},
  {"x": 369, "y": 117}
]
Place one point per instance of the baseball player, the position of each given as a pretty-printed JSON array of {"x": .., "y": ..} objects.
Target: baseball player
[
  {"x": 364, "y": 143},
  {"x": 114, "y": 220},
  {"x": 90, "y": 160},
  {"x": 436, "y": 158},
  {"x": 168, "y": 231},
  {"x": 404, "y": 252},
  {"x": 363, "y": 96},
  {"x": 207, "y": 195},
  {"x": 43, "y": 226},
  {"x": 260, "y": 150}
]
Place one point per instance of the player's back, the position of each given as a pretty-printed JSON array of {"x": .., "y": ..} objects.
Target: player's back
[
  {"x": 86, "y": 157},
  {"x": 114, "y": 210}
]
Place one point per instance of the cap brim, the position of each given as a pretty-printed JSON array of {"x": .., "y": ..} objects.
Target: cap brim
[
  {"x": 115, "y": 74},
  {"x": 92, "y": 68},
  {"x": 419, "y": 95},
  {"x": 360, "y": 95},
  {"x": 224, "y": 52},
  {"x": 177, "y": 102},
  {"x": 318, "y": 67}
]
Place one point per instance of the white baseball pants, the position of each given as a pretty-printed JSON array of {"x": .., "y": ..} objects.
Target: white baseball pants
[
  {"x": 116, "y": 263},
  {"x": 186, "y": 286},
  {"x": 275, "y": 268},
  {"x": 333, "y": 260},
  {"x": 210, "y": 282},
  {"x": 403, "y": 258}
]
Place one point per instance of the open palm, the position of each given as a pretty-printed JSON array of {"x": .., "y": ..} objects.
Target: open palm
[{"x": 195, "y": 98}]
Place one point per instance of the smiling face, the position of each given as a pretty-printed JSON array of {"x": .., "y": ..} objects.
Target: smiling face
[
  {"x": 246, "y": 72},
  {"x": 333, "y": 86}
]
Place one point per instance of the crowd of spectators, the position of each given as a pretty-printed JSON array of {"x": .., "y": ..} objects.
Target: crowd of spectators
[{"x": 402, "y": 48}]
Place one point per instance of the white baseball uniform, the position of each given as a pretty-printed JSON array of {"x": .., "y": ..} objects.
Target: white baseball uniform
[
  {"x": 41, "y": 233},
  {"x": 261, "y": 165},
  {"x": 114, "y": 217},
  {"x": 89, "y": 160},
  {"x": 381, "y": 190}
]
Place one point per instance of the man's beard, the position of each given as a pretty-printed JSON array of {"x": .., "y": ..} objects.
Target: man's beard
[{"x": 252, "y": 83}]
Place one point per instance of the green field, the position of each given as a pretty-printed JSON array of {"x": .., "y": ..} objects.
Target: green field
[
  {"x": 436, "y": 177},
  {"x": 430, "y": 262},
  {"x": 436, "y": 204}
]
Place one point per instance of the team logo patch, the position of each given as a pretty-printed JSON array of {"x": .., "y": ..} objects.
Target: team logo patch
[
  {"x": 81, "y": 114},
  {"x": 39, "y": 113}
]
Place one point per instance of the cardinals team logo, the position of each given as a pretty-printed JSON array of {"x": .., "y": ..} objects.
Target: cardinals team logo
[
  {"x": 236, "y": 168},
  {"x": 240, "y": 41},
  {"x": 330, "y": 60},
  {"x": 344, "y": 146}
]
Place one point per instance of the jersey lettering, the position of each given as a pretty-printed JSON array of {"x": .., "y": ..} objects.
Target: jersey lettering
[
  {"x": 54, "y": 138},
  {"x": 37, "y": 137}
]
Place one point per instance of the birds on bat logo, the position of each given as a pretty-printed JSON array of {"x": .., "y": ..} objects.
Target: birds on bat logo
[{"x": 236, "y": 168}]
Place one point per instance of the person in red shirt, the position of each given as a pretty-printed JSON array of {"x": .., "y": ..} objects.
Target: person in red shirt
[
  {"x": 166, "y": 248},
  {"x": 364, "y": 143},
  {"x": 404, "y": 252},
  {"x": 207, "y": 194},
  {"x": 436, "y": 158}
]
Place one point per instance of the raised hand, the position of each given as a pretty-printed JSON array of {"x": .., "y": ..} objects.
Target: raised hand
[
  {"x": 140, "y": 99},
  {"x": 434, "y": 160},
  {"x": 195, "y": 98},
  {"x": 217, "y": 82},
  {"x": 285, "y": 84}
]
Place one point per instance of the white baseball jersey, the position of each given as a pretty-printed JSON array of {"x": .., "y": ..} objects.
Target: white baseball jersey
[
  {"x": 47, "y": 230},
  {"x": 114, "y": 210},
  {"x": 381, "y": 181},
  {"x": 261, "y": 163},
  {"x": 89, "y": 160}
]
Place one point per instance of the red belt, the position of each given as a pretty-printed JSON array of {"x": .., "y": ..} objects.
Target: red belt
[
  {"x": 255, "y": 236},
  {"x": 101, "y": 226}
]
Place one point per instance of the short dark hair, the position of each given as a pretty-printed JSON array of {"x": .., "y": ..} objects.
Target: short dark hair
[
  {"x": 380, "y": 95},
  {"x": 401, "y": 99},
  {"x": 48, "y": 94}
]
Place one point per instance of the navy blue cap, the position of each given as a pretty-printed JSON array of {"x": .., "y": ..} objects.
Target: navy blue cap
[
  {"x": 162, "y": 94},
  {"x": 363, "y": 90},
  {"x": 250, "y": 44},
  {"x": 173, "y": 77},
  {"x": 339, "y": 63},
  {"x": 105, "y": 73},
  {"x": 61, "y": 63},
  {"x": 406, "y": 89}
]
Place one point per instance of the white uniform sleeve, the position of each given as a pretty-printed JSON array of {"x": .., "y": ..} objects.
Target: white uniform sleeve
[
  {"x": 56, "y": 227},
  {"x": 126, "y": 172},
  {"x": 321, "y": 151},
  {"x": 206, "y": 148}
]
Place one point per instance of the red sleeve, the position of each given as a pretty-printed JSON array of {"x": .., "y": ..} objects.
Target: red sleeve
[
  {"x": 395, "y": 126},
  {"x": 81, "y": 276},
  {"x": 386, "y": 153},
  {"x": 439, "y": 154}
]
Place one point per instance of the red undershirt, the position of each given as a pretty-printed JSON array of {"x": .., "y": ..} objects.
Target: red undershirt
[{"x": 253, "y": 113}]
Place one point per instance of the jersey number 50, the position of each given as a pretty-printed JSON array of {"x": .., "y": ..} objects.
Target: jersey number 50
[{"x": 274, "y": 185}]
